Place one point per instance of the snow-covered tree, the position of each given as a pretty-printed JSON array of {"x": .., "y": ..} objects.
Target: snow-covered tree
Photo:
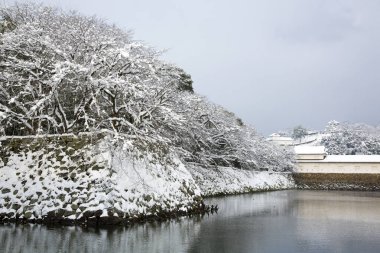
[
  {"x": 62, "y": 72},
  {"x": 299, "y": 132},
  {"x": 351, "y": 139},
  {"x": 209, "y": 135}
]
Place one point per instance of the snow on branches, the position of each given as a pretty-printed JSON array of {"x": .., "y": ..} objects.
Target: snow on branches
[
  {"x": 351, "y": 139},
  {"x": 61, "y": 72}
]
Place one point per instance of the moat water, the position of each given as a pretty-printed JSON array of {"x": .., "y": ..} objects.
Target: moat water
[{"x": 283, "y": 221}]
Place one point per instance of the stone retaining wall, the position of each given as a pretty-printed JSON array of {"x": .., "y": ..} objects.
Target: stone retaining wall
[
  {"x": 337, "y": 181},
  {"x": 227, "y": 180},
  {"x": 91, "y": 179},
  {"x": 97, "y": 179}
]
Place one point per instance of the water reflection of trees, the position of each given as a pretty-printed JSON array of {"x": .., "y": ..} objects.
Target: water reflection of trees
[
  {"x": 291, "y": 220},
  {"x": 151, "y": 237},
  {"x": 171, "y": 236},
  {"x": 235, "y": 227}
]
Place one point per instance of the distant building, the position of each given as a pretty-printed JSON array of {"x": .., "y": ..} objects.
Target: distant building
[
  {"x": 310, "y": 153},
  {"x": 313, "y": 159},
  {"x": 280, "y": 140}
]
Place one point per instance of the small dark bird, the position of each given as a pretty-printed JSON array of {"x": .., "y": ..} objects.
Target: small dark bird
[{"x": 214, "y": 208}]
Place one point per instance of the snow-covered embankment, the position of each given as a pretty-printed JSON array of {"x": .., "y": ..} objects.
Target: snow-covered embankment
[
  {"x": 86, "y": 178},
  {"x": 100, "y": 179},
  {"x": 226, "y": 180}
]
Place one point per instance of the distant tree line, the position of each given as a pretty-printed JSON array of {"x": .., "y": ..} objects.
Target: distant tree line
[{"x": 351, "y": 139}]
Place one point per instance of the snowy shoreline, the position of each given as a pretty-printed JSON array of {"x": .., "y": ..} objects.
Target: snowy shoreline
[
  {"x": 229, "y": 181},
  {"x": 90, "y": 180}
]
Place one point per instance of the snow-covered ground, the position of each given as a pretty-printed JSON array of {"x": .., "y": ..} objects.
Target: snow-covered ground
[
  {"x": 73, "y": 177},
  {"x": 69, "y": 177},
  {"x": 226, "y": 180}
]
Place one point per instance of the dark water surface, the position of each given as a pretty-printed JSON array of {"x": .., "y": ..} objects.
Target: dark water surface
[{"x": 283, "y": 221}]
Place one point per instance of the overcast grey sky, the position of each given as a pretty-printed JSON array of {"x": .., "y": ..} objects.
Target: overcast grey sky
[{"x": 275, "y": 64}]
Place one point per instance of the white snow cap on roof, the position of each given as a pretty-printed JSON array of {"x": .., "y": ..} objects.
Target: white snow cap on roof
[
  {"x": 309, "y": 150},
  {"x": 353, "y": 158}
]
